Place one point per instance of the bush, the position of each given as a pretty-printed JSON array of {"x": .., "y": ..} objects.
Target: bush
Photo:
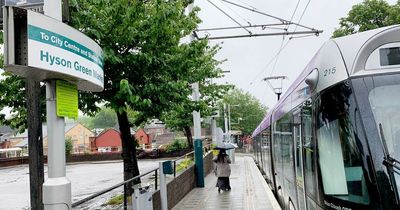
[
  {"x": 68, "y": 146},
  {"x": 184, "y": 164},
  {"x": 115, "y": 200},
  {"x": 177, "y": 145}
]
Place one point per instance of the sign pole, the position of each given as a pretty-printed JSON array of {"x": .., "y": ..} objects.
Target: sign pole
[
  {"x": 57, "y": 188},
  {"x": 163, "y": 188},
  {"x": 198, "y": 143}
]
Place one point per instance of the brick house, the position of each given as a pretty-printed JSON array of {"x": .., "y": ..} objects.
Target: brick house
[
  {"x": 143, "y": 138},
  {"x": 107, "y": 141},
  {"x": 78, "y": 133}
]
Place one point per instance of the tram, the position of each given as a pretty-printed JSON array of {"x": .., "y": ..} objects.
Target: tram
[{"x": 333, "y": 139}]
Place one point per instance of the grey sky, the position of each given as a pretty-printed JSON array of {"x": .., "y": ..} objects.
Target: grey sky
[{"x": 248, "y": 57}]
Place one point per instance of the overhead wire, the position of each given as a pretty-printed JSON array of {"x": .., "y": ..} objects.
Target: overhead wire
[
  {"x": 283, "y": 38},
  {"x": 268, "y": 64},
  {"x": 302, "y": 14},
  {"x": 268, "y": 15},
  {"x": 290, "y": 38},
  {"x": 282, "y": 47},
  {"x": 226, "y": 14},
  {"x": 294, "y": 12},
  {"x": 248, "y": 22},
  {"x": 247, "y": 4}
]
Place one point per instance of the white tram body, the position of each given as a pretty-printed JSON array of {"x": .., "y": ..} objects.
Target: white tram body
[{"x": 341, "y": 120}]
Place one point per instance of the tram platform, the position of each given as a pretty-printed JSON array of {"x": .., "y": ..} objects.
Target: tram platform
[{"x": 249, "y": 191}]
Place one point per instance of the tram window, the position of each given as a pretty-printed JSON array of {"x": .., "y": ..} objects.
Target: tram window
[
  {"x": 389, "y": 56},
  {"x": 340, "y": 160},
  {"x": 309, "y": 167}
]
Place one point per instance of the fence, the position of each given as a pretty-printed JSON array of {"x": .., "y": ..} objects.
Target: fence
[{"x": 185, "y": 177}]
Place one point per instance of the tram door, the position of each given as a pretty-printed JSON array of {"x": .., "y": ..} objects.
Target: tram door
[{"x": 298, "y": 145}]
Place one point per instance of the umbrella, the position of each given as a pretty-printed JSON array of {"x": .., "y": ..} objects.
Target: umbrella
[{"x": 226, "y": 146}]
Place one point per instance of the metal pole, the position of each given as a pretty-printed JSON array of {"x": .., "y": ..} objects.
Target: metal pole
[
  {"x": 214, "y": 130},
  {"x": 229, "y": 123},
  {"x": 198, "y": 144},
  {"x": 163, "y": 188},
  {"x": 57, "y": 188},
  {"x": 226, "y": 120}
]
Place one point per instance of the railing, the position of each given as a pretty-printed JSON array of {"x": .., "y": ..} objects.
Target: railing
[
  {"x": 77, "y": 203},
  {"x": 155, "y": 170},
  {"x": 180, "y": 158}
]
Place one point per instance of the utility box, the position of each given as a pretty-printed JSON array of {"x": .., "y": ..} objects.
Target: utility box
[
  {"x": 167, "y": 167},
  {"x": 142, "y": 198}
]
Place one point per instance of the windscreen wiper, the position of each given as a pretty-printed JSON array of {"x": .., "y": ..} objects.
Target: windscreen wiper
[
  {"x": 388, "y": 160},
  {"x": 391, "y": 164}
]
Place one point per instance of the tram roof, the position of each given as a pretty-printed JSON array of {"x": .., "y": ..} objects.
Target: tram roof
[{"x": 349, "y": 46}]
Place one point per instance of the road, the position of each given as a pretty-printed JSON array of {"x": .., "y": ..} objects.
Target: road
[{"x": 86, "y": 178}]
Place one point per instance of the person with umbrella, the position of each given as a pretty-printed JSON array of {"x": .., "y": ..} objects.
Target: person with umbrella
[{"x": 222, "y": 170}]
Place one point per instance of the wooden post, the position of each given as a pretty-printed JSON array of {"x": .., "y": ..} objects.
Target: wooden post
[{"x": 35, "y": 143}]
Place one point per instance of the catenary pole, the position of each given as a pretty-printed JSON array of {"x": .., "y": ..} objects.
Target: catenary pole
[
  {"x": 198, "y": 143},
  {"x": 57, "y": 188}
]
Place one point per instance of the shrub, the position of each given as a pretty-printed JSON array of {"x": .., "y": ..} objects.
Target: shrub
[
  {"x": 177, "y": 145},
  {"x": 184, "y": 164},
  {"x": 116, "y": 200},
  {"x": 68, "y": 146}
]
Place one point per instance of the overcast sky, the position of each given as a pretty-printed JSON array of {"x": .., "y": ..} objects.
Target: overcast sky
[{"x": 248, "y": 57}]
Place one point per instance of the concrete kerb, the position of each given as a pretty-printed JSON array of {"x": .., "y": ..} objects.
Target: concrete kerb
[{"x": 274, "y": 203}]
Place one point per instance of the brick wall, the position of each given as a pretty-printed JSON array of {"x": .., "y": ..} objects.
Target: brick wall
[
  {"x": 178, "y": 188},
  {"x": 71, "y": 158}
]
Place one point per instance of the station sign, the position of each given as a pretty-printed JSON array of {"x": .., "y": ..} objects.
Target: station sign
[{"x": 40, "y": 47}]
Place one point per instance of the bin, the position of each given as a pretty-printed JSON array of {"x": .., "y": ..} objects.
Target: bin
[{"x": 167, "y": 167}]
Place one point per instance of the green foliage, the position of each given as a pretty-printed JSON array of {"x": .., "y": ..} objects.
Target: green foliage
[
  {"x": 12, "y": 95},
  {"x": 105, "y": 118},
  {"x": 177, "y": 145},
  {"x": 147, "y": 69},
  {"x": 115, "y": 200},
  {"x": 370, "y": 14},
  {"x": 246, "y": 111},
  {"x": 68, "y": 146},
  {"x": 184, "y": 164}
]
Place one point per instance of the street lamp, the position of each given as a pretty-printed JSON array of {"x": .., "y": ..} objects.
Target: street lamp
[{"x": 278, "y": 88}]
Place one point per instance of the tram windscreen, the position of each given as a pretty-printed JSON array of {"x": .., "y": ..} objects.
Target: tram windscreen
[
  {"x": 389, "y": 56},
  {"x": 385, "y": 104}
]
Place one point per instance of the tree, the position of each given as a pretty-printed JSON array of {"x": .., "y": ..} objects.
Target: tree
[
  {"x": 180, "y": 117},
  {"x": 146, "y": 68},
  {"x": 105, "y": 118},
  {"x": 246, "y": 111},
  {"x": 368, "y": 15}
]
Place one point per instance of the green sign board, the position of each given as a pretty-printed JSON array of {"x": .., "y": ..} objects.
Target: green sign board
[{"x": 67, "y": 99}]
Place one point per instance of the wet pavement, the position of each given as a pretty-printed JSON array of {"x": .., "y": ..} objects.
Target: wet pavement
[
  {"x": 249, "y": 191},
  {"x": 86, "y": 178}
]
